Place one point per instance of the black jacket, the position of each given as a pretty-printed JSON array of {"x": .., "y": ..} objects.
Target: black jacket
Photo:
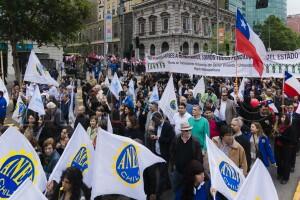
[
  {"x": 165, "y": 140},
  {"x": 83, "y": 120},
  {"x": 245, "y": 143}
]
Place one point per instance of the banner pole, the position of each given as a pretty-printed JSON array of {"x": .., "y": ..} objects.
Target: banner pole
[{"x": 282, "y": 100}]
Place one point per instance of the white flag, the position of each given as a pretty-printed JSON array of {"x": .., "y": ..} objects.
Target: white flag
[
  {"x": 78, "y": 153},
  {"x": 131, "y": 89},
  {"x": 106, "y": 82},
  {"x": 120, "y": 165},
  {"x": 242, "y": 86},
  {"x": 109, "y": 126},
  {"x": 226, "y": 177},
  {"x": 19, "y": 110},
  {"x": 258, "y": 184},
  {"x": 71, "y": 115},
  {"x": 154, "y": 95},
  {"x": 168, "y": 101},
  {"x": 115, "y": 86},
  {"x": 30, "y": 90},
  {"x": 4, "y": 90},
  {"x": 36, "y": 73},
  {"x": 199, "y": 88},
  {"x": 36, "y": 103},
  {"x": 18, "y": 162},
  {"x": 28, "y": 191}
]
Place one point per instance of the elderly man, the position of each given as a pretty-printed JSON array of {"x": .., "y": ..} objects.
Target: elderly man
[
  {"x": 226, "y": 108},
  {"x": 200, "y": 126},
  {"x": 180, "y": 117},
  {"x": 241, "y": 138},
  {"x": 82, "y": 118},
  {"x": 184, "y": 149}
]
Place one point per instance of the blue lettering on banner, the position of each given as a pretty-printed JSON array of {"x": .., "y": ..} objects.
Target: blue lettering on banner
[
  {"x": 127, "y": 165},
  {"x": 80, "y": 160},
  {"x": 230, "y": 176},
  {"x": 15, "y": 170}
]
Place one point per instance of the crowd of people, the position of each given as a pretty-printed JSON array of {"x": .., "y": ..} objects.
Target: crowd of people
[{"x": 241, "y": 130}]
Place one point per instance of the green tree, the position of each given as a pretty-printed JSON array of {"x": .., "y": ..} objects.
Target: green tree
[
  {"x": 42, "y": 21},
  {"x": 276, "y": 35}
]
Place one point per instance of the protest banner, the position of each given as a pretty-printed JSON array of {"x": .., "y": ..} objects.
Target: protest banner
[{"x": 207, "y": 64}]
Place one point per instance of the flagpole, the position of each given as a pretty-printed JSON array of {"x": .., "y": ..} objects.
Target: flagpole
[
  {"x": 282, "y": 100},
  {"x": 2, "y": 68}
]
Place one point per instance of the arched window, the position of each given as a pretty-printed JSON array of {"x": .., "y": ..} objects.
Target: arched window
[
  {"x": 152, "y": 50},
  {"x": 142, "y": 51},
  {"x": 185, "y": 48},
  {"x": 164, "y": 47},
  {"x": 196, "y": 48},
  {"x": 205, "y": 47}
]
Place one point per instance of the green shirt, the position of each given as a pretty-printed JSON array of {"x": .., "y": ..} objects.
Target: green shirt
[{"x": 200, "y": 129}]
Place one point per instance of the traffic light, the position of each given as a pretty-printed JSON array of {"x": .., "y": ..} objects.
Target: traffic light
[{"x": 262, "y": 4}]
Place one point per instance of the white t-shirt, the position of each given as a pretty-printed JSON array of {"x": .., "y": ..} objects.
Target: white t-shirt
[
  {"x": 178, "y": 120},
  {"x": 222, "y": 114}
]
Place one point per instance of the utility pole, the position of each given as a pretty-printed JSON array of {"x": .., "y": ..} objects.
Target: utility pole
[
  {"x": 104, "y": 33},
  {"x": 121, "y": 19}
]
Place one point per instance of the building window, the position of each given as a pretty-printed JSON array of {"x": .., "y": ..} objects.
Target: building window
[
  {"x": 164, "y": 47},
  {"x": 152, "y": 50},
  {"x": 165, "y": 25},
  {"x": 196, "y": 25},
  {"x": 185, "y": 47},
  {"x": 205, "y": 27},
  {"x": 142, "y": 26},
  {"x": 196, "y": 48},
  {"x": 142, "y": 51},
  {"x": 152, "y": 25},
  {"x": 185, "y": 24},
  {"x": 115, "y": 30},
  {"x": 165, "y": 22},
  {"x": 205, "y": 47}
]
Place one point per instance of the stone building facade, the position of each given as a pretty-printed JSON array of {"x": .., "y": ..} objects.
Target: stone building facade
[{"x": 179, "y": 25}]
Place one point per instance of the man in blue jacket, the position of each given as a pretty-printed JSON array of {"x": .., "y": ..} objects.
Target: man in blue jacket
[{"x": 3, "y": 106}]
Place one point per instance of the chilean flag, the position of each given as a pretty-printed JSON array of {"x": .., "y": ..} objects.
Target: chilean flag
[
  {"x": 291, "y": 85},
  {"x": 248, "y": 43}
]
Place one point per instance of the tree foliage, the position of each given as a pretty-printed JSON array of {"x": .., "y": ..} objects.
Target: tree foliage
[
  {"x": 274, "y": 32},
  {"x": 42, "y": 21}
]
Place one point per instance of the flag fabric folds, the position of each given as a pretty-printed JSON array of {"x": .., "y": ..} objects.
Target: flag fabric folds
[
  {"x": 28, "y": 191},
  {"x": 106, "y": 82},
  {"x": 131, "y": 89},
  {"x": 226, "y": 177},
  {"x": 115, "y": 86},
  {"x": 36, "y": 73},
  {"x": 120, "y": 165},
  {"x": 154, "y": 95},
  {"x": 4, "y": 90},
  {"x": 109, "y": 126},
  {"x": 258, "y": 184},
  {"x": 36, "y": 103},
  {"x": 19, "y": 110},
  {"x": 272, "y": 106},
  {"x": 71, "y": 115},
  {"x": 291, "y": 85},
  {"x": 18, "y": 162},
  {"x": 248, "y": 43},
  {"x": 78, "y": 153},
  {"x": 168, "y": 101},
  {"x": 199, "y": 87}
]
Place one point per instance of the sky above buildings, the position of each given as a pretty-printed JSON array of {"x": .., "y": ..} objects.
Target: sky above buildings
[{"x": 293, "y": 7}]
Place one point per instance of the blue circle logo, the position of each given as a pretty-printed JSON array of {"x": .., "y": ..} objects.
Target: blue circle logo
[
  {"x": 173, "y": 104},
  {"x": 230, "y": 176},
  {"x": 80, "y": 160},
  {"x": 14, "y": 171},
  {"x": 127, "y": 165}
]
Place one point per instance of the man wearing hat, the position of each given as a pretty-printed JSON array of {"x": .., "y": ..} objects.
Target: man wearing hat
[
  {"x": 209, "y": 95},
  {"x": 184, "y": 149}
]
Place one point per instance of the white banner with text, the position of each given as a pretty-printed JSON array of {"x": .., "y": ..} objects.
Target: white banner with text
[{"x": 207, "y": 64}]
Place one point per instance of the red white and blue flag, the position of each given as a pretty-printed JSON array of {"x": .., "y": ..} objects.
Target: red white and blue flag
[
  {"x": 248, "y": 43},
  {"x": 291, "y": 85}
]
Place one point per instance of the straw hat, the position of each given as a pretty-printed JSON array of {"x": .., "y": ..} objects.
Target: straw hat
[{"x": 185, "y": 126}]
